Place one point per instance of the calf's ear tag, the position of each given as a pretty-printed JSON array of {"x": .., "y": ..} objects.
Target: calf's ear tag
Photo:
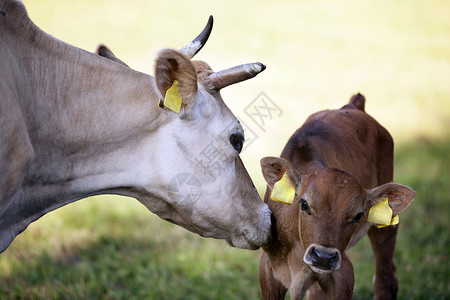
[
  {"x": 283, "y": 190},
  {"x": 173, "y": 100},
  {"x": 381, "y": 214},
  {"x": 395, "y": 220}
]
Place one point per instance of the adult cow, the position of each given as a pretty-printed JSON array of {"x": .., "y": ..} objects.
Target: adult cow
[
  {"x": 331, "y": 208},
  {"x": 74, "y": 124}
]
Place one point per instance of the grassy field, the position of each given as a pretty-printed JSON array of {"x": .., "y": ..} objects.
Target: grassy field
[{"x": 317, "y": 55}]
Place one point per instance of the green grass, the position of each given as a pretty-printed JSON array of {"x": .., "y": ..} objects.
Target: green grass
[{"x": 318, "y": 53}]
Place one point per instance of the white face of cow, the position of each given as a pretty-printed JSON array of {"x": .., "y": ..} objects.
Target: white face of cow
[
  {"x": 201, "y": 180},
  {"x": 197, "y": 179}
]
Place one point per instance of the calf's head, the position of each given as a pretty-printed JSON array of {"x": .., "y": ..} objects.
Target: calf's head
[{"x": 330, "y": 206}]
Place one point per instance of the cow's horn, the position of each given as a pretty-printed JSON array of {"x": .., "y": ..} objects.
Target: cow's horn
[
  {"x": 236, "y": 74},
  {"x": 193, "y": 47}
]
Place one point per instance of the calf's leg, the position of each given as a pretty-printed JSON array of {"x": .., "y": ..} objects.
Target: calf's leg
[
  {"x": 383, "y": 245},
  {"x": 271, "y": 288}
]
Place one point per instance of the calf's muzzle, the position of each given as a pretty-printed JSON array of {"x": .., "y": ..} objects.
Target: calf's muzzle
[{"x": 322, "y": 260}]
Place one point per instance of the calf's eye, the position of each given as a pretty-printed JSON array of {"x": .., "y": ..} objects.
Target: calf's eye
[
  {"x": 304, "y": 206},
  {"x": 357, "y": 218}
]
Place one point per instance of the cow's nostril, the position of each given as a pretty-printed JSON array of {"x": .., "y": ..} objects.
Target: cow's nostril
[
  {"x": 334, "y": 259},
  {"x": 321, "y": 253}
]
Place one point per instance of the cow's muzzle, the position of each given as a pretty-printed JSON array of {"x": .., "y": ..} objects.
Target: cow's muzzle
[{"x": 322, "y": 260}]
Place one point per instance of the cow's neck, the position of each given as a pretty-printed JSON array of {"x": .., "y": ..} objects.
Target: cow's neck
[
  {"x": 91, "y": 121},
  {"x": 92, "y": 124}
]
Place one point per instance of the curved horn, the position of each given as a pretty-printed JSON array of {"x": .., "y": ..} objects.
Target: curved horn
[
  {"x": 234, "y": 75},
  {"x": 193, "y": 47}
]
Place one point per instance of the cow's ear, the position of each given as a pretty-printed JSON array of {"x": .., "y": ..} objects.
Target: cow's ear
[
  {"x": 274, "y": 168},
  {"x": 399, "y": 196},
  {"x": 174, "y": 69},
  {"x": 104, "y": 51},
  {"x": 282, "y": 178}
]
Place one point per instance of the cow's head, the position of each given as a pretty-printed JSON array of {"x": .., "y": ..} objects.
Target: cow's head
[
  {"x": 331, "y": 206},
  {"x": 201, "y": 182}
]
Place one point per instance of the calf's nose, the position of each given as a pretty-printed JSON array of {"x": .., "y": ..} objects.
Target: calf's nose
[{"x": 322, "y": 258}]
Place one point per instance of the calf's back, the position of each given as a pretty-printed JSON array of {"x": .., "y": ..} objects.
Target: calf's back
[{"x": 345, "y": 138}]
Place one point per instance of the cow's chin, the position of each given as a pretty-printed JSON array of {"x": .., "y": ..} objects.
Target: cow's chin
[
  {"x": 236, "y": 241},
  {"x": 242, "y": 243},
  {"x": 320, "y": 271}
]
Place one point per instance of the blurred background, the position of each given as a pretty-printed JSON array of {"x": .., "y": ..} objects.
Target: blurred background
[{"x": 317, "y": 53}]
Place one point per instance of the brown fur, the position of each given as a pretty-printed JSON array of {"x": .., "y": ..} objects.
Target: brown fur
[{"x": 314, "y": 159}]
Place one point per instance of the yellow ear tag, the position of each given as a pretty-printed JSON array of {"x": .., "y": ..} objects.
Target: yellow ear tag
[
  {"x": 380, "y": 213},
  {"x": 173, "y": 97},
  {"x": 395, "y": 220},
  {"x": 283, "y": 191}
]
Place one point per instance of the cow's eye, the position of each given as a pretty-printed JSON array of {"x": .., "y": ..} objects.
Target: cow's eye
[
  {"x": 304, "y": 206},
  {"x": 237, "y": 141},
  {"x": 357, "y": 218}
]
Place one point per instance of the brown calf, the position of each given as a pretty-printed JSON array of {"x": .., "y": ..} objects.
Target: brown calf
[{"x": 330, "y": 206}]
